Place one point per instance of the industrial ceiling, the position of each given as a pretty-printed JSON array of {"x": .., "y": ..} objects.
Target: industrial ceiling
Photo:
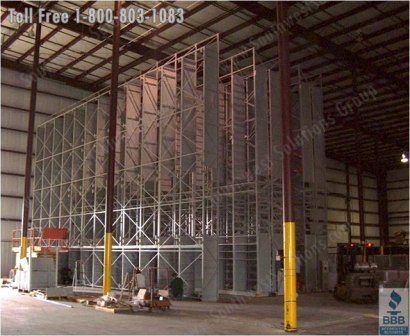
[{"x": 360, "y": 50}]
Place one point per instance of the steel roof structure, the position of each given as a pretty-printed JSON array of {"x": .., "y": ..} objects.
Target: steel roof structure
[{"x": 360, "y": 50}]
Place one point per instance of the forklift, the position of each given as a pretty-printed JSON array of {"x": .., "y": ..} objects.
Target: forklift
[
  {"x": 363, "y": 268},
  {"x": 356, "y": 277}
]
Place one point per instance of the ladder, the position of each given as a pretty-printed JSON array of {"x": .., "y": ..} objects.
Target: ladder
[{"x": 79, "y": 277}]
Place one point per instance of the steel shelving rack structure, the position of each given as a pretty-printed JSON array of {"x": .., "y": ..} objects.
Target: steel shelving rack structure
[{"x": 197, "y": 175}]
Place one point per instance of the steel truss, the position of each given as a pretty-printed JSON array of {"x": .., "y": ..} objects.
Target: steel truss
[{"x": 197, "y": 176}]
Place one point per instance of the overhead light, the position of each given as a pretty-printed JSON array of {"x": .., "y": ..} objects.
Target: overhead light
[
  {"x": 31, "y": 32},
  {"x": 404, "y": 158}
]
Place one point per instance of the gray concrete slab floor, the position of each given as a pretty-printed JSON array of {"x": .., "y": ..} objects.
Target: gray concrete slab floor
[{"x": 317, "y": 314}]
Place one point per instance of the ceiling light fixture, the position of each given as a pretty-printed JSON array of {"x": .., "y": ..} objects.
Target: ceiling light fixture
[
  {"x": 31, "y": 32},
  {"x": 404, "y": 158}
]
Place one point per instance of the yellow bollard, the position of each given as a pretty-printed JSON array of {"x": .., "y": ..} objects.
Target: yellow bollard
[
  {"x": 289, "y": 251},
  {"x": 107, "y": 263},
  {"x": 23, "y": 247}
]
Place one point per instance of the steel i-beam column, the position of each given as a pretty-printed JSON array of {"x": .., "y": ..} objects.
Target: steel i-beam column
[
  {"x": 30, "y": 136},
  {"x": 109, "y": 208},
  {"x": 289, "y": 237},
  {"x": 359, "y": 164},
  {"x": 382, "y": 205},
  {"x": 348, "y": 208}
]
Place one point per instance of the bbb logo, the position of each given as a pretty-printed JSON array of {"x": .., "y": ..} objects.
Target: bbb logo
[{"x": 393, "y": 318}]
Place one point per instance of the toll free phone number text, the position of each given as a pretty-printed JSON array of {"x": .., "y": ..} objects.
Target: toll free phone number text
[{"x": 101, "y": 15}]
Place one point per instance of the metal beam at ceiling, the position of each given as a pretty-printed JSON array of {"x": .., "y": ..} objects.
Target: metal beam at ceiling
[
  {"x": 348, "y": 159},
  {"x": 144, "y": 58},
  {"x": 124, "y": 48},
  {"x": 389, "y": 160},
  {"x": 83, "y": 8},
  {"x": 4, "y": 16},
  {"x": 77, "y": 39},
  {"x": 341, "y": 54},
  {"x": 23, "y": 28},
  {"x": 186, "y": 35},
  {"x": 360, "y": 52},
  {"x": 347, "y": 30},
  {"x": 269, "y": 30},
  {"x": 361, "y": 25},
  {"x": 86, "y": 31},
  {"x": 383, "y": 101},
  {"x": 155, "y": 32},
  {"x": 338, "y": 69},
  {"x": 346, "y": 56}
]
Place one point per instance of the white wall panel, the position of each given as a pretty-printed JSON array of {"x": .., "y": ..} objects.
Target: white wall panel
[
  {"x": 13, "y": 140},
  {"x": 18, "y": 119},
  {"x": 370, "y": 194},
  {"x": 13, "y": 162},
  {"x": 11, "y": 208},
  {"x": 7, "y": 228},
  {"x": 7, "y": 258},
  {"x": 53, "y": 87},
  {"x": 337, "y": 188},
  {"x": 398, "y": 206},
  {"x": 397, "y": 194},
  {"x": 398, "y": 200},
  {"x": 15, "y": 93},
  {"x": 398, "y": 174},
  {"x": 20, "y": 98},
  {"x": 337, "y": 213},
  {"x": 371, "y": 218},
  {"x": 12, "y": 185}
]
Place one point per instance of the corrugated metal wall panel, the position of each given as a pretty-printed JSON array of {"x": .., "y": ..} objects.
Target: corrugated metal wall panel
[
  {"x": 11, "y": 208},
  {"x": 18, "y": 119},
  {"x": 20, "y": 98},
  {"x": 52, "y": 87},
  {"x": 398, "y": 200},
  {"x": 7, "y": 228},
  {"x": 7, "y": 258},
  {"x": 52, "y": 98},
  {"x": 13, "y": 162},
  {"x": 337, "y": 213},
  {"x": 12, "y": 185},
  {"x": 13, "y": 140}
]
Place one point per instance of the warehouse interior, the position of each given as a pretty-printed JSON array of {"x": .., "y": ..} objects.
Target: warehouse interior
[{"x": 256, "y": 151}]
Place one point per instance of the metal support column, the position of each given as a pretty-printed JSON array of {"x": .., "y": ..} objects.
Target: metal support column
[
  {"x": 29, "y": 151},
  {"x": 359, "y": 164},
  {"x": 289, "y": 237},
  {"x": 348, "y": 207},
  {"x": 111, "y": 153},
  {"x": 382, "y": 207}
]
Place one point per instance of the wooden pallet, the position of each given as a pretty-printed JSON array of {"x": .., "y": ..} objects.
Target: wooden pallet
[{"x": 114, "y": 310}]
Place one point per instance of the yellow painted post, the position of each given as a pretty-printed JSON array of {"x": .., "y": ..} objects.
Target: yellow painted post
[
  {"x": 109, "y": 208},
  {"x": 289, "y": 250},
  {"x": 23, "y": 247},
  {"x": 289, "y": 236},
  {"x": 107, "y": 263}
]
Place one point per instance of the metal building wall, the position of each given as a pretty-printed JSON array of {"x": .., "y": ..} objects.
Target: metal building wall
[
  {"x": 338, "y": 228},
  {"x": 15, "y": 90},
  {"x": 337, "y": 209},
  {"x": 398, "y": 200}
]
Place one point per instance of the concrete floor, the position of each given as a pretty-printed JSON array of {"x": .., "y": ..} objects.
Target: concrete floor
[{"x": 318, "y": 314}]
